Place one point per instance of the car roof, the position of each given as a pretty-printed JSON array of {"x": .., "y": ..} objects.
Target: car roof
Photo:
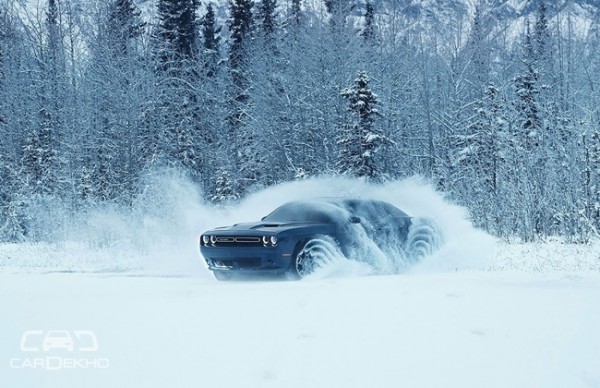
[{"x": 352, "y": 205}]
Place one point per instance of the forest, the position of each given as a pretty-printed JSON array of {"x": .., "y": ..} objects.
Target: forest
[{"x": 96, "y": 94}]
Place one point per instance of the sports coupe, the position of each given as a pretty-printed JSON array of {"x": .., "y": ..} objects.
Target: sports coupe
[{"x": 296, "y": 238}]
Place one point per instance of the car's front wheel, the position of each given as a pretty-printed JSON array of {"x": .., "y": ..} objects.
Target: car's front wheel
[{"x": 314, "y": 254}]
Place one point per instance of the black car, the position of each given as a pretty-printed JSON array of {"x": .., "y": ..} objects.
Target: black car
[{"x": 296, "y": 238}]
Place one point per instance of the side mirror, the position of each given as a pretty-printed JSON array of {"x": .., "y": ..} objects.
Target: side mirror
[{"x": 354, "y": 220}]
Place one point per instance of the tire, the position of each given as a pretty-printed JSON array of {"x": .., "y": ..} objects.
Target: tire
[
  {"x": 314, "y": 254},
  {"x": 423, "y": 239}
]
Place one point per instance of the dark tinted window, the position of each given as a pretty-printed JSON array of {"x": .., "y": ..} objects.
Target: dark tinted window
[{"x": 298, "y": 211}]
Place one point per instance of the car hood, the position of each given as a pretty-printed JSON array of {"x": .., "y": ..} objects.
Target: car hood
[{"x": 260, "y": 228}]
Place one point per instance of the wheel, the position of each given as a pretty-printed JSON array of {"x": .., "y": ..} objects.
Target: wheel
[
  {"x": 314, "y": 254},
  {"x": 221, "y": 276},
  {"x": 423, "y": 239}
]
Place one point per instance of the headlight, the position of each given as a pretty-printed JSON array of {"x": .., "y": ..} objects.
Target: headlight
[
  {"x": 205, "y": 240},
  {"x": 269, "y": 241},
  {"x": 213, "y": 239}
]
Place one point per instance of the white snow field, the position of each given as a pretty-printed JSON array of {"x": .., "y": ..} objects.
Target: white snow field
[{"x": 124, "y": 300}]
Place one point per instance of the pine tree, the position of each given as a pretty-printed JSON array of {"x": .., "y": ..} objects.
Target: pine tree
[
  {"x": 479, "y": 46},
  {"x": 2, "y": 42},
  {"x": 296, "y": 12},
  {"x": 177, "y": 30},
  {"x": 111, "y": 165},
  {"x": 178, "y": 107},
  {"x": 527, "y": 91},
  {"x": 541, "y": 34},
  {"x": 267, "y": 16},
  {"x": 241, "y": 138},
  {"x": 41, "y": 160},
  {"x": 124, "y": 24},
  {"x": 189, "y": 35},
  {"x": 39, "y": 157},
  {"x": 54, "y": 31},
  {"x": 481, "y": 159},
  {"x": 532, "y": 134},
  {"x": 359, "y": 139},
  {"x": 240, "y": 29},
  {"x": 12, "y": 206},
  {"x": 86, "y": 185},
  {"x": 368, "y": 32},
  {"x": 339, "y": 11},
  {"x": 211, "y": 41},
  {"x": 12, "y": 225},
  {"x": 591, "y": 178},
  {"x": 3, "y": 33}
]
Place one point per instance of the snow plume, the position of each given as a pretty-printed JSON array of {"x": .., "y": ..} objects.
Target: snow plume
[
  {"x": 461, "y": 246},
  {"x": 159, "y": 232}
]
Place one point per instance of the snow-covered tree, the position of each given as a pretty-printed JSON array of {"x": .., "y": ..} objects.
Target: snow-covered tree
[
  {"x": 339, "y": 11},
  {"x": 241, "y": 31},
  {"x": 225, "y": 192},
  {"x": 360, "y": 139},
  {"x": 114, "y": 147},
  {"x": 176, "y": 109},
  {"x": 481, "y": 159},
  {"x": 41, "y": 154},
  {"x": 368, "y": 31},
  {"x": 211, "y": 41},
  {"x": 267, "y": 14},
  {"x": 17, "y": 109},
  {"x": 49, "y": 150},
  {"x": 124, "y": 24},
  {"x": 533, "y": 132},
  {"x": 12, "y": 203},
  {"x": 296, "y": 12},
  {"x": 40, "y": 159},
  {"x": 177, "y": 31},
  {"x": 242, "y": 140}
]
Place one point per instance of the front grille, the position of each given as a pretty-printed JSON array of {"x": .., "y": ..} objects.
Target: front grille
[
  {"x": 247, "y": 262},
  {"x": 247, "y": 239},
  {"x": 238, "y": 241}
]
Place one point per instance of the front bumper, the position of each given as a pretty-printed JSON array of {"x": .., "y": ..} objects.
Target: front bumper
[{"x": 248, "y": 259}]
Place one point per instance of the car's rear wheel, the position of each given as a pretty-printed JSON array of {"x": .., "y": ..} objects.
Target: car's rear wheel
[
  {"x": 423, "y": 238},
  {"x": 314, "y": 254}
]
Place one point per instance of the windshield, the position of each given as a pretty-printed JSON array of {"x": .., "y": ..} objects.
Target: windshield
[{"x": 298, "y": 211}]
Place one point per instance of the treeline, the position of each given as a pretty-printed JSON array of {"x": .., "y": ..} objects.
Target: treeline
[{"x": 93, "y": 95}]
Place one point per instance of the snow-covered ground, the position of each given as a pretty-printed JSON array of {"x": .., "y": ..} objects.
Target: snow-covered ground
[
  {"x": 141, "y": 309},
  {"x": 454, "y": 329}
]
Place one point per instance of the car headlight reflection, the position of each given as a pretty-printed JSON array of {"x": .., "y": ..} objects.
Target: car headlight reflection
[{"x": 269, "y": 241}]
